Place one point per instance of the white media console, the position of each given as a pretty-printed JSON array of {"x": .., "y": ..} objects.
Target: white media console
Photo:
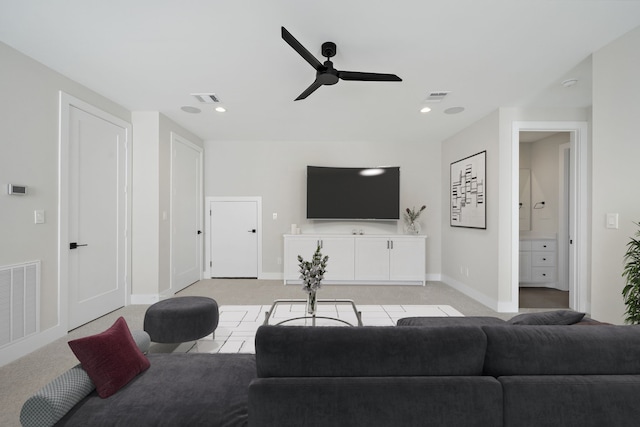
[{"x": 390, "y": 259}]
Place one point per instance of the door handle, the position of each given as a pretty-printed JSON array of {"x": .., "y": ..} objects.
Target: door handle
[
  {"x": 253, "y": 230},
  {"x": 199, "y": 232},
  {"x": 74, "y": 245}
]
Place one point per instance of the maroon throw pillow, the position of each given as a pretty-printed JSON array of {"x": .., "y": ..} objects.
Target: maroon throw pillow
[{"x": 110, "y": 358}]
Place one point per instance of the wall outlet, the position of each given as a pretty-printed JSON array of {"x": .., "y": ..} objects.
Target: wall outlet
[{"x": 279, "y": 260}]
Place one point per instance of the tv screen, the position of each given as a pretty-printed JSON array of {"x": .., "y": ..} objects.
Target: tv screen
[{"x": 353, "y": 193}]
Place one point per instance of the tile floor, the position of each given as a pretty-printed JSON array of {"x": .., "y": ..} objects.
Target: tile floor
[{"x": 238, "y": 323}]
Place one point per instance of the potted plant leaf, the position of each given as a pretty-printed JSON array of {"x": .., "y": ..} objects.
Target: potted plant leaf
[{"x": 631, "y": 273}]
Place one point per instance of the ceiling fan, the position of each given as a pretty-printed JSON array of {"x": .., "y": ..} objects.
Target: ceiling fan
[{"x": 325, "y": 73}]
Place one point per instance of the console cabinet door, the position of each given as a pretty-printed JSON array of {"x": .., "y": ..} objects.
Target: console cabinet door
[
  {"x": 341, "y": 257},
  {"x": 406, "y": 259},
  {"x": 372, "y": 258},
  {"x": 304, "y": 246}
]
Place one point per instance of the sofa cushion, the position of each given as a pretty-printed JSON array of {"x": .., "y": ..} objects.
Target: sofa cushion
[
  {"x": 571, "y": 400},
  {"x": 556, "y": 317},
  {"x": 297, "y": 351},
  {"x": 378, "y": 401},
  {"x": 450, "y": 321},
  {"x": 562, "y": 350},
  {"x": 111, "y": 358},
  {"x": 178, "y": 389}
]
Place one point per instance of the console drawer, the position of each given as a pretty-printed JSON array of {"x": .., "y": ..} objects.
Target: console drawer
[
  {"x": 543, "y": 245},
  {"x": 543, "y": 274},
  {"x": 543, "y": 259}
]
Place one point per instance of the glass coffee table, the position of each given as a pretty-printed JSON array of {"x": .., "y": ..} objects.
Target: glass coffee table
[{"x": 269, "y": 314}]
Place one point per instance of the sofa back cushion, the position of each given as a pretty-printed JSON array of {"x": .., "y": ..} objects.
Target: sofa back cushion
[
  {"x": 562, "y": 350},
  {"x": 297, "y": 351}
]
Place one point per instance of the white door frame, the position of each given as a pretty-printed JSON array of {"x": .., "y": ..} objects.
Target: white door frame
[
  {"x": 207, "y": 229},
  {"x": 578, "y": 273},
  {"x": 564, "y": 211},
  {"x": 177, "y": 139},
  {"x": 66, "y": 102}
]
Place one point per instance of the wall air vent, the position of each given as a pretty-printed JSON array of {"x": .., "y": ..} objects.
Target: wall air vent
[
  {"x": 437, "y": 96},
  {"x": 206, "y": 98}
]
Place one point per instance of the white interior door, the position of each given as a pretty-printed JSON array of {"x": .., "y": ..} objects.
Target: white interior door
[
  {"x": 186, "y": 213},
  {"x": 97, "y": 215},
  {"x": 234, "y": 238}
]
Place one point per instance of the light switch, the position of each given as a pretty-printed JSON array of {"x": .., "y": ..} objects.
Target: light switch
[
  {"x": 275, "y": 215},
  {"x": 38, "y": 217},
  {"x": 612, "y": 220}
]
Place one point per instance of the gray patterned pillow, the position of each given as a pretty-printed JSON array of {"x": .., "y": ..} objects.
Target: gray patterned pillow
[{"x": 54, "y": 400}]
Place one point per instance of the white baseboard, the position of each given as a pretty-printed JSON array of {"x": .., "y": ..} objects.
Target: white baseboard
[
  {"x": 271, "y": 276},
  {"x": 498, "y": 306},
  {"x": 29, "y": 344},
  {"x": 144, "y": 299}
]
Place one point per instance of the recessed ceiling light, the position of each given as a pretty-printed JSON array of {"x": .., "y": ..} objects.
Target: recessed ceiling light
[
  {"x": 190, "y": 109},
  {"x": 569, "y": 82},
  {"x": 221, "y": 109},
  {"x": 454, "y": 110},
  {"x": 425, "y": 109}
]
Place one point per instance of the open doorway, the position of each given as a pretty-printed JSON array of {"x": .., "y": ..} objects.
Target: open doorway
[
  {"x": 570, "y": 204},
  {"x": 544, "y": 202}
]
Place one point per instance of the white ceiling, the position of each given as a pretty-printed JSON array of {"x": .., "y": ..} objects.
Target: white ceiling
[{"x": 150, "y": 55}]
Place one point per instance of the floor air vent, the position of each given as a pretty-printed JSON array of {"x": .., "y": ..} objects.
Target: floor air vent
[{"x": 19, "y": 301}]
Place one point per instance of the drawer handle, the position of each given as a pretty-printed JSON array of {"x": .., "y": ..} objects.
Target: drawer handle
[
  {"x": 544, "y": 246},
  {"x": 544, "y": 259},
  {"x": 544, "y": 274}
]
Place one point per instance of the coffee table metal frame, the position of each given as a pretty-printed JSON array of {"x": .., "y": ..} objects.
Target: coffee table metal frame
[{"x": 313, "y": 317}]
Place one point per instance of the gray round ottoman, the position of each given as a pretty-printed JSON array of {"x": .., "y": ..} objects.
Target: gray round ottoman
[{"x": 181, "y": 319}]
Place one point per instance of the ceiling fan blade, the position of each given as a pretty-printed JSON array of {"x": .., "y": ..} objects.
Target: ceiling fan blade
[
  {"x": 370, "y": 77},
  {"x": 315, "y": 85},
  {"x": 302, "y": 51}
]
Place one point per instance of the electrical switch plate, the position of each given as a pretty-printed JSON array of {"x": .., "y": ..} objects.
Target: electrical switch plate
[
  {"x": 38, "y": 217},
  {"x": 275, "y": 215},
  {"x": 612, "y": 220}
]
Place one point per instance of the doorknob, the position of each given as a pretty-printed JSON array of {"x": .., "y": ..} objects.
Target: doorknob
[
  {"x": 74, "y": 245},
  {"x": 253, "y": 230}
]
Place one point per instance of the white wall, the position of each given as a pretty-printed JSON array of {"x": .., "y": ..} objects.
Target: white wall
[
  {"x": 469, "y": 256},
  {"x": 29, "y": 108},
  {"x": 145, "y": 220},
  {"x": 616, "y": 151},
  {"x": 29, "y": 125},
  {"x": 545, "y": 181},
  {"x": 151, "y": 239},
  {"x": 276, "y": 171}
]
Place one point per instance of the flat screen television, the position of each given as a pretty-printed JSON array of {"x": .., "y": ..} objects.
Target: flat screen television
[{"x": 353, "y": 193}]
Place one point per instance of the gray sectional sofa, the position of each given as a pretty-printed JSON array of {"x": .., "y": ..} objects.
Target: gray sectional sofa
[{"x": 459, "y": 374}]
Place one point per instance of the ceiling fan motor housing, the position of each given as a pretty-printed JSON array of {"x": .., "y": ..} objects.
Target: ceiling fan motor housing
[
  {"x": 327, "y": 75},
  {"x": 328, "y": 49}
]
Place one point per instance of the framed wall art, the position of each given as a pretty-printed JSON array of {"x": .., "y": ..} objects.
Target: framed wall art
[{"x": 468, "y": 192}]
